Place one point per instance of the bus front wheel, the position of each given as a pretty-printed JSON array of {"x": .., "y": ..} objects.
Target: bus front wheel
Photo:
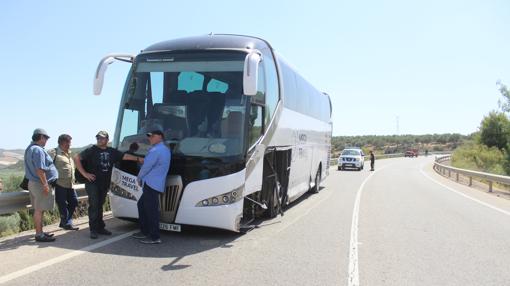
[{"x": 274, "y": 203}]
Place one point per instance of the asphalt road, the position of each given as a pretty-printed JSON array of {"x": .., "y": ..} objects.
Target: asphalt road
[{"x": 399, "y": 225}]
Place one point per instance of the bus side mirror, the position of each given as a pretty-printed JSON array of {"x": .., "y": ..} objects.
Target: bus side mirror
[
  {"x": 250, "y": 73},
  {"x": 99, "y": 78},
  {"x": 103, "y": 65}
]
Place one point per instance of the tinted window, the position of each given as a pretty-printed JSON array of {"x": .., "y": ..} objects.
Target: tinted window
[{"x": 351, "y": 152}]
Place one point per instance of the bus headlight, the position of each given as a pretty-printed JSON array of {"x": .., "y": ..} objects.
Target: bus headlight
[{"x": 223, "y": 199}]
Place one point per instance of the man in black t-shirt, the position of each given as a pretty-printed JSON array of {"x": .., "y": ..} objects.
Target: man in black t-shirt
[{"x": 99, "y": 160}]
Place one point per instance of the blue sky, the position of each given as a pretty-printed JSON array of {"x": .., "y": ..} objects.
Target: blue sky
[{"x": 433, "y": 64}]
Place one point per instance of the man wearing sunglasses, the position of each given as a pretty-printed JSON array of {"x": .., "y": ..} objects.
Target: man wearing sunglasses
[
  {"x": 152, "y": 178},
  {"x": 99, "y": 160}
]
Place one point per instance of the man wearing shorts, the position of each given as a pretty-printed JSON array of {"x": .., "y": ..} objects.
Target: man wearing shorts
[{"x": 42, "y": 175}]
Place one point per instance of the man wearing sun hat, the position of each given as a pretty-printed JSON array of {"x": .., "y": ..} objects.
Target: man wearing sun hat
[
  {"x": 99, "y": 160},
  {"x": 41, "y": 174}
]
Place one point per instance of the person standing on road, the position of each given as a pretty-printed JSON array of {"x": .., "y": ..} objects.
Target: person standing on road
[
  {"x": 152, "y": 178},
  {"x": 99, "y": 160},
  {"x": 372, "y": 160},
  {"x": 65, "y": 195},
  {"x": 41, "y": 174}
]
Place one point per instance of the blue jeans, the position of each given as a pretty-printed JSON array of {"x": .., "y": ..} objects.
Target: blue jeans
[
  {"x": 67, "y": 201},
  {"x": 97, "y": 196},
  {"x": 148, "y": 212}
]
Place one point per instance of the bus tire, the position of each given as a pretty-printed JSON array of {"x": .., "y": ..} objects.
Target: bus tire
[
  {"x": 272, "y": 209},
  {"x": 318, "y": 178}
]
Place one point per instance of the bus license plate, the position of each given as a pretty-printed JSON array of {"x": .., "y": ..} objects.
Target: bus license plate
[{"x": 170, "y": 226}]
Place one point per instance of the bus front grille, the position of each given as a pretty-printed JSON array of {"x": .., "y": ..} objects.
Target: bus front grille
[{"x": 169, "y": 200}]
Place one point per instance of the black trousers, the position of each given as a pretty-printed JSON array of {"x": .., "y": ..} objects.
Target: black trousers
[
  {"x": 97, "y": 197},
  {"x": 148, "y": 212}
]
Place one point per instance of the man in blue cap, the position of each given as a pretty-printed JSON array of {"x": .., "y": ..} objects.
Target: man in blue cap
[{"x": 41, "y": 174}]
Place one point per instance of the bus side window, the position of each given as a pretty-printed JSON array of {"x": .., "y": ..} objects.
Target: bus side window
[{"x": 255, "y": 122}]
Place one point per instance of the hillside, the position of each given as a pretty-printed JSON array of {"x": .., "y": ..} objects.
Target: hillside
[
  {"x": 388, "y": 144},
  {"x": 11, "y": 161},
  {"x": 10, "y": 157}
]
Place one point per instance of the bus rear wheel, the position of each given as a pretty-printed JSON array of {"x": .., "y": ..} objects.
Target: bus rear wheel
[{"x": 318, "y": 178}]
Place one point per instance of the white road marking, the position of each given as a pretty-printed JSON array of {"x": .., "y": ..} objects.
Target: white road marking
[
  {"x": 462, "y": 194},
  {"x": 353, "y": 249},
  {"x": 61, "y": 258}
]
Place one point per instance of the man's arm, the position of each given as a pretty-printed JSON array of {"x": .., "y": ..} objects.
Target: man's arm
[
  {"x": 79, "y": 166},
  {"x": 130, "y": 157},
  {"x": 42, "y": 177},
  {"x": 148, "y": 164}
]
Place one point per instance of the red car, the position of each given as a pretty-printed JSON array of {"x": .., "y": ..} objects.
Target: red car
[{"x": 411, "y": 153}]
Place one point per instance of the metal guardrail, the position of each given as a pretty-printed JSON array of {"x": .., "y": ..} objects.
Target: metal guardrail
[
  {"x": 448, "y": 170},
  {"x": 14, "y": 201}
]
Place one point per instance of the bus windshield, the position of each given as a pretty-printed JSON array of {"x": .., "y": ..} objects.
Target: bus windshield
[{"x": 194, "y": 98}]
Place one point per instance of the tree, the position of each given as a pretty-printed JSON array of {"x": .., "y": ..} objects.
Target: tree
[
  {"x": 503, "y": 89},
  {"x": 495, "y": 130}
]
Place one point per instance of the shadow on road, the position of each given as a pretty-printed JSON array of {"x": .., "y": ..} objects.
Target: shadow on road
[{"x": 175, "y": 246}]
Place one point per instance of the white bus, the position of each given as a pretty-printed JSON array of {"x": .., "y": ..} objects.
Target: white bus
[{"x": 248, "y": 134}]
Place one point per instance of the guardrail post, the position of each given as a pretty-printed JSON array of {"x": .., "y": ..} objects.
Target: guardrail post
[
  {"x": 490, "y": 186},
  {"x": 457, "y": 177},
  {"x": 449, "y": 173},
  {"x": 470, "y": 181}
]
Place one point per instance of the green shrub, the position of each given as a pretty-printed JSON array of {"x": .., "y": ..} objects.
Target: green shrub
[
  {"x": 26, "y": 221},
  {"x": 479, "y": 157},
  {"x": 52, "y": 216},
  {"x": 11, "y": 182},
  {"x": 9, "y": 224}
]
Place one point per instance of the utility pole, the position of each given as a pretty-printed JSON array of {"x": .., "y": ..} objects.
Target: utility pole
[
  {"x": 398, "y": 127},
  {"x": 398, "y": 131}
]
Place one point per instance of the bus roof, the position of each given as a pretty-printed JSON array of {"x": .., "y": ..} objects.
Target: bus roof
[{"x": 211, "y": 41}]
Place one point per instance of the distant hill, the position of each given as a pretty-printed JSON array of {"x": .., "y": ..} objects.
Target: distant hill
[
  {"x": 387, "y": 144},
  {"x": 12, "y": 160},
  {"x": 10, "y": 157}
]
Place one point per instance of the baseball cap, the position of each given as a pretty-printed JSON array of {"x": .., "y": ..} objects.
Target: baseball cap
[
  {"x": 155, "y": 132},
  {"x": 102, "y": 134},
  {"x": 40, "y": 131}
]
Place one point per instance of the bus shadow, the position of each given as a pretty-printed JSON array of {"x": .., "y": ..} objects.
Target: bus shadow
[
  {"x": 302, "y": 198},
  {"x": 262, "y": 222},
  {"x": 175, "y": 245}
]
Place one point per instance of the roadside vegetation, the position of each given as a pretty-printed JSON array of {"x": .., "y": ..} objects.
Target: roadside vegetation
[
  {"x": 391, "y": 144},
  {"x": 19, "y": 221},
  {"x": 488, "y": 149}
]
